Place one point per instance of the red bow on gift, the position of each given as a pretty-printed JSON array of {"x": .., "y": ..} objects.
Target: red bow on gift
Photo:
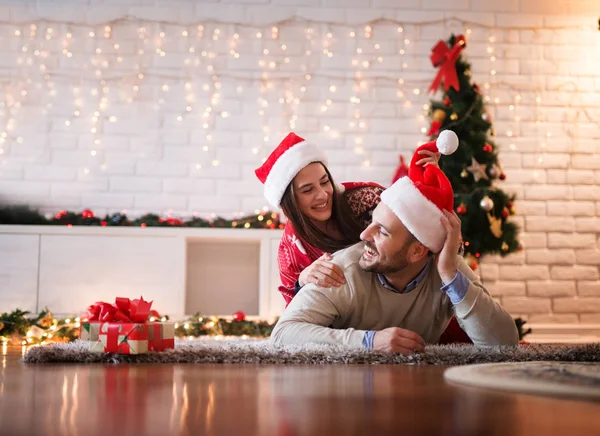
[
  {"x": 445, "y": 58},
  {"x": 124, "y": 310}
]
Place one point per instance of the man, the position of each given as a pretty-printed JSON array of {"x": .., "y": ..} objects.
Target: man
[{"x": 398, "y": 294}]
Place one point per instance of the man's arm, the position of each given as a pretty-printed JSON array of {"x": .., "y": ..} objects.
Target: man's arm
[
  {"x": 484, "y": 320},
  {"x": 309, "y": 315}
]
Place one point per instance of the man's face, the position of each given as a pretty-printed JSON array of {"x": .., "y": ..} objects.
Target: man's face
[{"x": 387, "y": 243}]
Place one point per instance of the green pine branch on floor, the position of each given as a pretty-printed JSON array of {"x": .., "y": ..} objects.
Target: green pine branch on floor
[{"x": 23, "y": 328}]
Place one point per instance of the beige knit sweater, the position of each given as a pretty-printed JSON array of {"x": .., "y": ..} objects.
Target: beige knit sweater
[{"x": 342, "y": 315}]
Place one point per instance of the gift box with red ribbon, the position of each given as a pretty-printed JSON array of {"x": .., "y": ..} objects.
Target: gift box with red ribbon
[{"x": 123, "y": 327}]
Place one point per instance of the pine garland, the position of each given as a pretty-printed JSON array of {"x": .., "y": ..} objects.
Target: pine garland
[
  {"x": 22, "y": 328},
  {"x": 24, "y": 215}
]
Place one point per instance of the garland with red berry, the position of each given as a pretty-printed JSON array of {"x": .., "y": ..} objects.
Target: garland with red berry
[
  {"x": 23, "y": 328},
  {"x": 24, "y": 215}
]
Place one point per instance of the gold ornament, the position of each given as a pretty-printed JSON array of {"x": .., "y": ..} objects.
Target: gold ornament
[
  {"x": 504, "y": 246},
  {"x": 495, "y": 225},
  {"x": 492, "y": 132},
  {"x": 464, "y": 174},
  {"x": 454, "y": 117},
  {"x": 478, "y": 170},
  {"x": 439, "y": 115},
  {"x": 468, "y": 73}
]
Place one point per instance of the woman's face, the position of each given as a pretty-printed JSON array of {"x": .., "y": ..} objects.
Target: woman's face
[{"x": 314, "y": 192}]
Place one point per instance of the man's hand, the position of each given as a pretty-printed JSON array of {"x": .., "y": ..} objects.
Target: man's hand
[
  {"x": 447, "y": 262},
  {"x": 397, "y": 340},
  {"x": 323, "y": 272},
  {"x": 431, "y": 158}
]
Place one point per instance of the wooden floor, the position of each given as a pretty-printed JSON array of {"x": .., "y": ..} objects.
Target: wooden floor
[{"x": 269, "y": 400}]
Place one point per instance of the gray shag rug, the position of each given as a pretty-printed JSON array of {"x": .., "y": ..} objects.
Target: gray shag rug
[{"x": 264, "y": 353}]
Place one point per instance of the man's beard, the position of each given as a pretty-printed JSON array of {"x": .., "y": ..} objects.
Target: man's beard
[{"x": 399, "y": 261}]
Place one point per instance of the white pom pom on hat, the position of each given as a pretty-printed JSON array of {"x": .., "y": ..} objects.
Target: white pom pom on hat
[{"x": 447, "y": 142}]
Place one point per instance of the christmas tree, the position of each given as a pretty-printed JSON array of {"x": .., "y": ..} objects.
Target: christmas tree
[{"x": 474, "y": 169}]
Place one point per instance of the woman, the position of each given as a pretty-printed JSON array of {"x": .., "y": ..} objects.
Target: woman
[{"x": 323, "y": 216}]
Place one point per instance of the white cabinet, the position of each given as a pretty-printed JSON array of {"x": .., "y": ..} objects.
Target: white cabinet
[
  {"x": 212, "y": 271},
  {"x": 19, "y": 272},
  {"x": 76, "y": 271}
]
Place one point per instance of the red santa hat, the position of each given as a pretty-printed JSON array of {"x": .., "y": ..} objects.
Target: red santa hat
[
  {"x": 280, "y": 168},
  {"x": 419, "y": 199}
]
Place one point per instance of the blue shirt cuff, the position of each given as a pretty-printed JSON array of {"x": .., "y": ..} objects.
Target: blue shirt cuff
[
  {"x": 368, "y": 339},
  {"x": 457, "y": 288},
  {"x": 297, "y": 287}
]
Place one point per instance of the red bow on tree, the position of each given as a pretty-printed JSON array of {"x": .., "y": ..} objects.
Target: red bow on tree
[
  {"x": 124, "y": 310},
  {"x": 444, "y": 57}
]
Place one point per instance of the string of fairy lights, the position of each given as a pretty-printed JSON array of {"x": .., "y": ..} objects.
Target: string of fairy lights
[{"x": 209, "y": 77}]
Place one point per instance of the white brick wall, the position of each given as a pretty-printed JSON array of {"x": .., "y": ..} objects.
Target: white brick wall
[{"x": 156, "y": 148}]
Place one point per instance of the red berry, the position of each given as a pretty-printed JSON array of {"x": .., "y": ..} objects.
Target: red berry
[
  {"x": 487, "y": 148},
  {"x": 505, "y": 213},
  {"x": 239, "y": 316},
  {"x": 87, "y": 213}
]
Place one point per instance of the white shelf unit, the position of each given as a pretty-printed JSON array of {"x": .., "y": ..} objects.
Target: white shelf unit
[{"x": 183, "y": 270}]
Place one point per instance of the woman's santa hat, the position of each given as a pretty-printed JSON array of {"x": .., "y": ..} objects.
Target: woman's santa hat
[
  {"x": 419, "y": 199},
  {"x": 280, "y": 168}
]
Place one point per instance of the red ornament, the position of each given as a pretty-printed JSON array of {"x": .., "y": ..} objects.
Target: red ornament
[
  {"x": 509, "y": 204},
  {"x": 239, "y": 316},
  {"x": 87, "y": 213},
  {"x": 461, "y": 209},
  {"x": 505, "y": 213},
  {"x": 476, "y": 88},
  {"x": 447, "y": 101},
  {"x": 478, "y": 255},
  {"x": 474, "y": 266},
  {"x": 502, "y": 176},
  {"x": 173, "y": 221},
  {"x": 143, "y": 225},
  {"x": 60, "y": 214},
  {"x": 103, "y": 223},
  {"x": 488, "y": 148},
  {"x": 434, "y": 129}
]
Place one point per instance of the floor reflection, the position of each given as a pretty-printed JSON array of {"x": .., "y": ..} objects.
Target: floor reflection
[{"x": 264, "y": 400}]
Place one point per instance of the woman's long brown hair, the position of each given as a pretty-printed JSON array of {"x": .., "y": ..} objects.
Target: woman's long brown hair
[{"x": 341, "y": 214}]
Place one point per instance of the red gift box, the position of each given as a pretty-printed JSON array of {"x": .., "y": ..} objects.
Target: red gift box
[{"x": 123, "y": 328}]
